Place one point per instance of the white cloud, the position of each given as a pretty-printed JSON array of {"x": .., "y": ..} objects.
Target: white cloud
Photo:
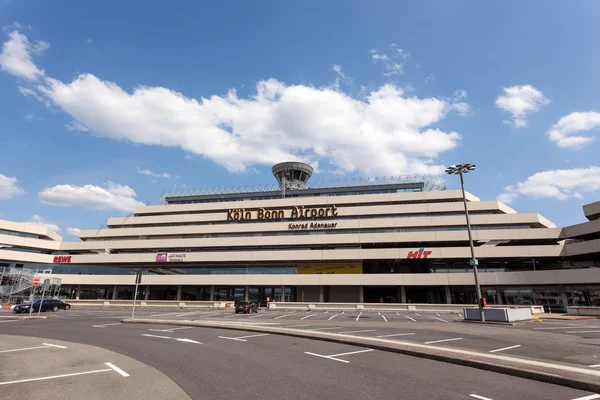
[
  {"x": 76, "y": 126},
  {"x": 113, "y": 197},
  {"x": 88, "y": 40},
  {"x": 279, "y": 122},
  {"x": 9, "y": 188},
  {"x": 560, "y": 184},
  {"x": 521, "y": 101},
  {"x": 154, "y": 174},
  {"x": 461, "y": 107},
  {"x": 391, "y": 65},
  {"x": 73, "y": 231},
  {"x": 37, "y": 220},
  {"x": 16, "y": 58},
  {"x": 562, "y": 132}
]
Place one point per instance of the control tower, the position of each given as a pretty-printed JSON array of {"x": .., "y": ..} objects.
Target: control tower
[{"x": 292, "y": 175}]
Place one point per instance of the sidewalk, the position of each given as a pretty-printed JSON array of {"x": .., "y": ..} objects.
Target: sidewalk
[{"x": 562, "y": 317}]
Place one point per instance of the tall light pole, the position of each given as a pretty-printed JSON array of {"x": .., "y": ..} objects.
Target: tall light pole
[{"x": 460, "y": 169}]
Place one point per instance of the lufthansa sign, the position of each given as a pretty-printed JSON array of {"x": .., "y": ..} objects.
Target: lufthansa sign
[{"x": 301, "y": 212}]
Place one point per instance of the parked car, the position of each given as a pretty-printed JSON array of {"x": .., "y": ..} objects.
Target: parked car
[
  {"x": 246, "y": 307},
  {"x": 46, "y": 305}
]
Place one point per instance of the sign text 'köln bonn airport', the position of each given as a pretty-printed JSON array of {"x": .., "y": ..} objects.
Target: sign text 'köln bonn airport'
[{"x": 301, "y": 212}]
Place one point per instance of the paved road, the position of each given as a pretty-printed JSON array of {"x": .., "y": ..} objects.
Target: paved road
[{"x": 225, "y": 364}]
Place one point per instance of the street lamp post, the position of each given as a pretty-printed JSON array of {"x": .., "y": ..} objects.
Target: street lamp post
[{"x": 460, "y": 169}]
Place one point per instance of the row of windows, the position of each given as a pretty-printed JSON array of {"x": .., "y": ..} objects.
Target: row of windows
[
  {"x": 316, "y": 232},
  {"x": 20, "y": 234}
]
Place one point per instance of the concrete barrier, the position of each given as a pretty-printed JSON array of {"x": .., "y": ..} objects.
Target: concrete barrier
[
  {"x": 457, "y": 308},
  {"x": 583, "y": 311},
  {"x": 498, "y": 314},
  {"x": 151, "y": 303}
]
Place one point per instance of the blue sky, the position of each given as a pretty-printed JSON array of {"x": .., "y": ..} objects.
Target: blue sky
[{"x": 97, "y": 97}]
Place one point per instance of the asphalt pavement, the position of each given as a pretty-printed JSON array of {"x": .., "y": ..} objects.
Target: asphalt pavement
[{"x": 225, "y": 364}]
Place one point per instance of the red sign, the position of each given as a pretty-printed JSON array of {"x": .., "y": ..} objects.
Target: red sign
[
  {"x": 421, "y": 253},
  {"x": 62, "y": 259},
  {"x": 36, "y": 281}
]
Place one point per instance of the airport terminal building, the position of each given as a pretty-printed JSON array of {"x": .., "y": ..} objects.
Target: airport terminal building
[{"x": 371, "y": 240}]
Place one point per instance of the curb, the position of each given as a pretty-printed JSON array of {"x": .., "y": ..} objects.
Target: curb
[
  {"x": 19, "y": 318},
  {"x": 577, "y": 378}
]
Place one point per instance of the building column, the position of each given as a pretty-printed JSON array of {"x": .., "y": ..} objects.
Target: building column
[
  {"x": 147, "y": 293},
  {"x": 78, "y": 292},
  {"x": 178, "y": 292},
  {"x": 246, "y": 293},
  {"x": 212, "y": 293},
  {"x": 361, "y": 295},
  {"x": 563, "y": 297},
  {"x": 402, "y": 294},
  {"x": 114, "y": 295},
  {"x": 448, "y": 297},
  {"x": 321, "y": 294},
  {"x": 499, "y": 295},
  {"x": 283, "y": 293}
]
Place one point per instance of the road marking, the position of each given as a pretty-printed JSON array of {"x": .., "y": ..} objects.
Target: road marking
[
  {"x": 161, "y": 314},
  {"x": 479, "y": 397},
  {"x": 505, "y": 348},
  {"x": 564, "y": 327},
  {"x": 437, "y": 314},
  {"x": 358, "y": 316},
  {"x": 583, "y": 331},
  {"x": 460, "y": 315},
  {"x": 232, "y": 338},
  {"x": 105, "y": 325},
  {"x": 308, "y": 316},
  {"x": 157, "y": 336},
  {"x": 332, "y": 317},
  {"x": 183, "y": 327},
  {"x": 322, "y": 329},
  {"x": 256, "y": 316},
  {"x": 169, "y": 337},
  {"x": 119, "y": 370},
  {"x": 343, "y": 312},
  {"x": 443, "y": 340},
  {"x": 412, "y": 319},
  {"x": 384, "y": 318},
  {"x": 281, "y": 316},
  {"x": 242, "y": 338},
  {"x": 439, "y": 319},
  {"x": 55, "y": 376},
  {"x": 418, "y": 314},
  {"x": 31, "y": 348},
  {"x": 594, "y": 366},
  {"x": 333, "y": 356},
  {"x": 210, "y": 314},
  {"x": 10, "y": 320},
  {"x": 590, "y": 397},
  {"x": 395, "y": 334},
  {"x": 187, "y": 340},
  {"x": 365, "y": 330},
  {"x": 325, "y": 312},
  {"x": 54, "y": 345},
  {"x": 296, "y": 326},
  {"x": 397, "y": 313},
  {"x": 170, "y": 330}
]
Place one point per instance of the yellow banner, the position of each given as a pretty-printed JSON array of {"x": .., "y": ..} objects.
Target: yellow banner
[{"x": 330, "y": 269}]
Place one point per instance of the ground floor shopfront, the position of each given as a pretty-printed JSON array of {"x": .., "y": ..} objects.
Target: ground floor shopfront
[{"x": 554, "y": 298}]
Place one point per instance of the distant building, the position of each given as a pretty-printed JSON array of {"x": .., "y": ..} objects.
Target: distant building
[{"x": 399, "y": 239}]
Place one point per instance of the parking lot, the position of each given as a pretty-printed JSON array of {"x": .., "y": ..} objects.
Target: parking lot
[{"x": 219, "y": 363}]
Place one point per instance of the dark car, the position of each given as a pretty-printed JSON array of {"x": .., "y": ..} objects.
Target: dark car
[
  {"x": 246, "y": 307},
  {"x": 46, "y": 305}
]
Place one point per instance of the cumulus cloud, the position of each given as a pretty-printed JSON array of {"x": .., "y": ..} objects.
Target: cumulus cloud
[
  {"x": 562, "y": 132},
  {"x": 16, "y": 56},
  {"x": 111, "y": 197},
  {"x": 386, "y": 132},
  {"x": 521, "y": 101},
  {"x": 37, "y": 220},
  {"x": 149, "y": 172},
  {"x": 73, "y": 231},
  {"x": 9, "y": 188},
  {"x": 560, "y": 184}
]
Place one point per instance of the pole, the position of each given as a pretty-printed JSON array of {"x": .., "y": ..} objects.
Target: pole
[
  {"x": 138, "y": 279},
  {"x": 42, "y": 301},
  {"x": 473, "y": 259}
]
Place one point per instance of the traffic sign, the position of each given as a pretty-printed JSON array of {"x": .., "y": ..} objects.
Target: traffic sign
[
  {"x": 36, "y": 282},
  {"x": 474, "y": 262}
]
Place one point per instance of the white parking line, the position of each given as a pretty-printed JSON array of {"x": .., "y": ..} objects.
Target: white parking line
[
  {"x": 384, "y": 318},
  {"x": 242, "y": 338},
  {"x": 439, "y": 319},
  {"x": 443, "y": 340},
  {"x": 333, "y": 356},
  {"x": 210, "y": 314},
  {"x": 418, "y": 314},
  {"x": 437, "y": 314},
  {"x": 9, "y": 320},
  {"x": 397, "y": 313},
  {"x": 505, "y": 348},
  {"x": 105, "y": 325},
  {"x": 296, "y": 326},
  {"x": 161, "y": 314},
  {"x": 308, "y": 316},
  {"x": 412, "y": 319},
  {"x": 358, "y": 316},
  {"x": 594, "y": 366},
  {"x": 281, "y": 316},
  {"x": 54, "y": 345},
  {"x": 44, "y": 346},
  {"x": 395, "y": 334},
  {"x": 333, "y": 316},
  {"x": 117, "y": 369},
  {"x": 364, "y": 330},
  {"x": 590, "y": 397},
  {"x": 475, "y": 396},
  {"x": 170, "y": 330},
  {"x": 323, "y": 329},
  {"x": 168, "y": 337},
  {"x": 256, "y": 316},
  {"x": 56, "y": 376},
  {"x": 583, "y": 331},
  {"x": 564, "y": 327}
]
